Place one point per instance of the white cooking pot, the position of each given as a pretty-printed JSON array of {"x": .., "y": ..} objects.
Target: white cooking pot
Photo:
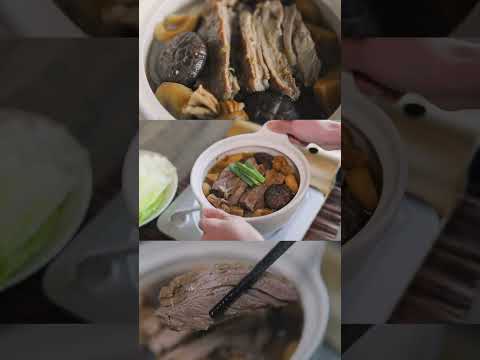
[
  {"x": 153, "y": 12},
  {"x": 385, "y": 140},
  {"x": 262, "y": 141},
  {"x": 160, "y": 261}
]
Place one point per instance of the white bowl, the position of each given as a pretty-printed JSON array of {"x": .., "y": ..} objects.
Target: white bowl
[
  {"x": 266, "y": 141},
  {"x": 72, "y": 216},
  {"x": 153, "y": 12},
  {"x": 301, "y": 265},
  {"x": 385, "y": 140}
]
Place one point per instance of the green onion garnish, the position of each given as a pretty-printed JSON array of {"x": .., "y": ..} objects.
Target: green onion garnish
[{"x": 248, "y": 173}]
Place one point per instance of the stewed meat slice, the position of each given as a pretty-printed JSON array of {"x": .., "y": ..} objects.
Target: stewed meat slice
[
  {"x": 277, "y": 196},
  {"x": 185, "y": 302},
  {"x": 255, "y": 74},
  {"x": 300, "y": 47},
  {"x": 226, "y": 184},
  {"x": 253, "y": 198},
  {"x": 237, "y": 193},
  {"x": 216, "y": 32},
  {"x": 166, "y": 339},
  {"x": 268, "y": 18}
]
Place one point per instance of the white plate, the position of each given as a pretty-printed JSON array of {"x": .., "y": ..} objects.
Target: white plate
[
  {"x": 171, "y": 191},
  {"x": 70, "y": 220},
  {"x": 112, "y": 299}
]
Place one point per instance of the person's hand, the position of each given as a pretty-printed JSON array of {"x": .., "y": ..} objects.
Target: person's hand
[
  {"x": 325, "y": 133},
  {"x": 445, "y": 71},
  {"x": 218, "y": 225}
]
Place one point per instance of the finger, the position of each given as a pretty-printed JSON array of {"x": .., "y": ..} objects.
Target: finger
[
  {"x": 214, "y": 213},
  {"x": 210, "y": 227},
  {"x": 280, "y": 126}
]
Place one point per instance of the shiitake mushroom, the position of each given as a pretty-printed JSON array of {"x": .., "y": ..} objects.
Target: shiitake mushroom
[
  {"x": 181, "y": 60},
  {"x": 277, "y": 196},
  {"x": 268, "y": 105}
]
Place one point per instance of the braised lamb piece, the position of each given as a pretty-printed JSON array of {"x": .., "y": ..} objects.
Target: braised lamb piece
[
  {"x": 216, "y": 32},
  {"x": 185, "y": 302}
]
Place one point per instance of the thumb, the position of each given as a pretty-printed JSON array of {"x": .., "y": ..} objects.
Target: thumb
[
  {"x": 214, "y": 213},
  {"x": 279, "y": 126},
  {"x": 211, "y": 228}
]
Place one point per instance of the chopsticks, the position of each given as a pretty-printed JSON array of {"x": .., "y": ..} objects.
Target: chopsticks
[{"x": 250, "y": 279}]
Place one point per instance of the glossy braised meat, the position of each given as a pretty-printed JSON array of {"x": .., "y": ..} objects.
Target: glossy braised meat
[
  {"x": 300, "y": 47},
  {"x": 226, "y": 184},
  {"x": 216, "y": 32},
  {"x": 255, "y": 73},
  {"x": 268, "y": 18},
  {"x": 253, "y": 198},
  {"x": 185, "y": 302}
]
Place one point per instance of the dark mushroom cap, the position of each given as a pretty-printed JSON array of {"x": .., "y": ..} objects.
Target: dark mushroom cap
[
  {"x": 268, "y": 105},
  {"x": 182, "y": 59},
  {"x": 277, "y": 196}
]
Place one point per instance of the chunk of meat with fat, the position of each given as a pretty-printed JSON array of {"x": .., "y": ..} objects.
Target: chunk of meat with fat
[
  {"x": 226, "y": 184},
  {"x": 187, "y": 299},
  {"x": 255, "y": 73},
  {"x": 216, "y": 32},
  {"x": 268, "y": 18},
  {"x": 253, "y": 198},
  {"x": 300, "y": 47}
]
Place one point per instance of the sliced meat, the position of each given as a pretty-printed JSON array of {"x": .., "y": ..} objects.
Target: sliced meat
[
  {"x": 268, "y": 18},
  {"x": 253, "y": 198},
  {"x": 166, "y": 339},
  {"x": 216, "y": 32},
  {"x": 255, "y": 74},
  {"x": 187, "y": 299},
  {"x": 237, "y": 193},
  {"x": 199, "y": 349},
  {"x": 277, "y": 196},
  {"x": 288, "y": 32},
  {"x": 226, "y": 184},
  {"x": 300, "y": 47},
  {"x": 264, "y": 159},
  {"x": 149, "y": 323}
]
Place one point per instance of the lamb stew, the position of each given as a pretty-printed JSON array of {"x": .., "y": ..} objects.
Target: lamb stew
[
  {"x": 265, "y": 323},
  {"x": 251, "y": 184},
  {"x": 244, "y": 59}
]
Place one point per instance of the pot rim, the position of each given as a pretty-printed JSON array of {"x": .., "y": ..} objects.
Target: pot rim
[{"x": 375, "y": 125}]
